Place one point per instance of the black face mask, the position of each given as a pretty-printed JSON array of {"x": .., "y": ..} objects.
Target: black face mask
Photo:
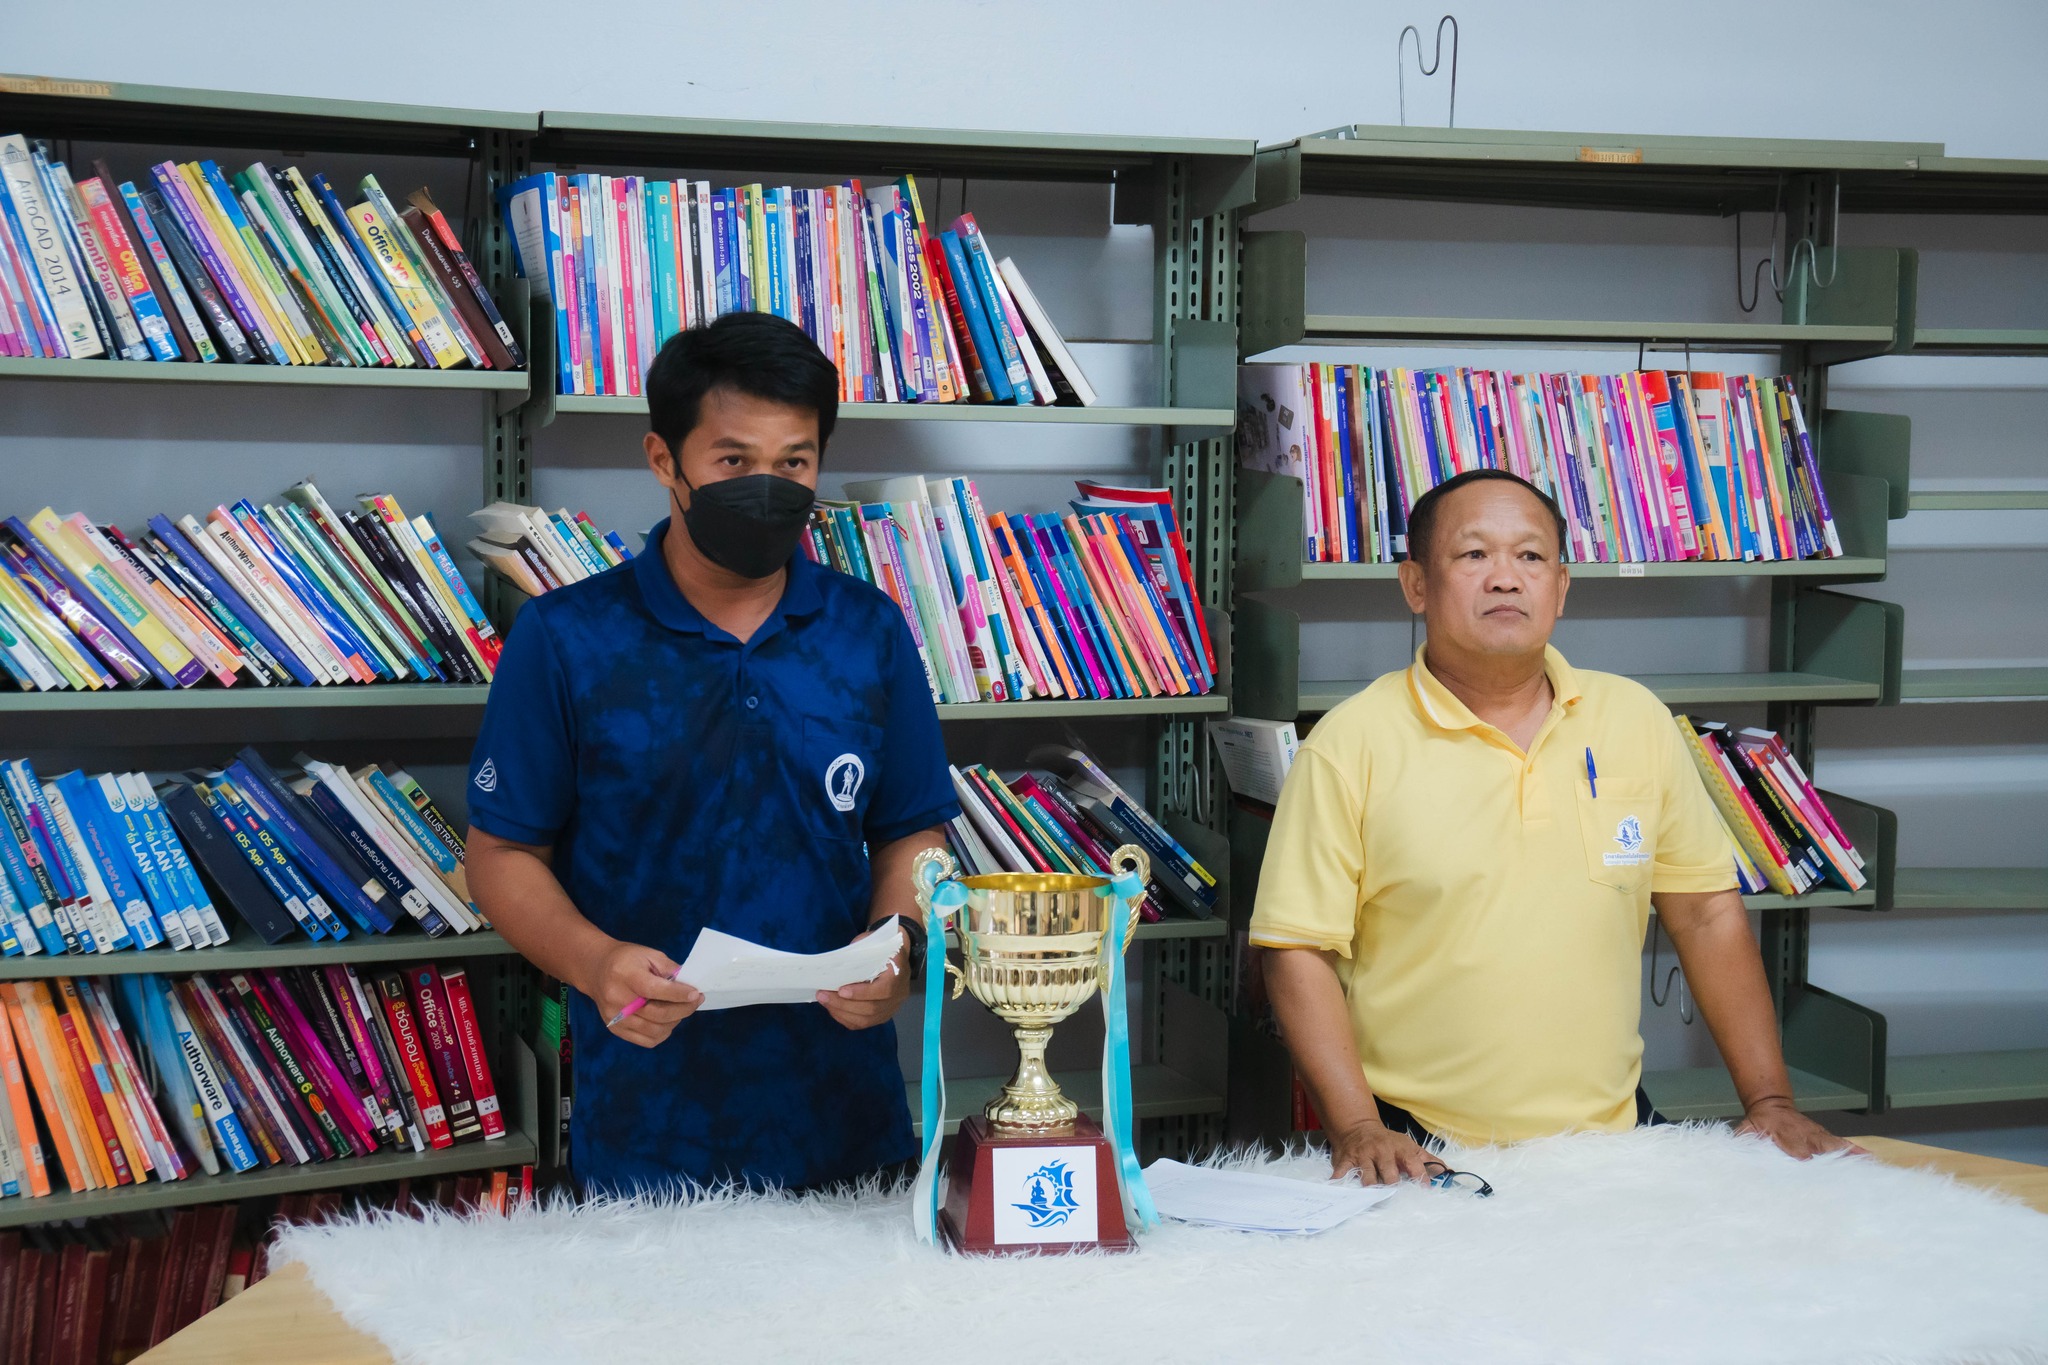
[{"x": 749, "y": 525}]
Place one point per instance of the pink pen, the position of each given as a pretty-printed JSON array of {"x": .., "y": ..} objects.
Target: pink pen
[{"x": 633, "y": 1006}]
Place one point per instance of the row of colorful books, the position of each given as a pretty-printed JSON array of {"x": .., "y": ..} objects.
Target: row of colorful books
[
  {"x": 103, "y": 1291},
  {"x": 99, "y": 864},
  {"x": 283, "y": 594},
  {"x": 261, "y": 267},
  {"x": 1652, "y": 465},
  {"x": 535, "y": 549},
  {"x": 1786, "y": 839},
  {"x": 908, "y": 315},
  {"x": 1070, "y": 816},
  {"x": 147, "y": 1076},
  {"x": 1099, "y": 603}
]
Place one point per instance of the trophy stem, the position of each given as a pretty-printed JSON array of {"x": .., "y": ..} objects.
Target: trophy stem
[{"x": 1032, "y": 1102}]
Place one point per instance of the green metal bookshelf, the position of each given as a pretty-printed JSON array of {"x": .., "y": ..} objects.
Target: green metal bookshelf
[
  {"x": 1186, "y": 190},
  {"x": 1825, "y": 647}
]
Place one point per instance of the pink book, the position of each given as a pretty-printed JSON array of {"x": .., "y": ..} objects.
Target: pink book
[
  {"x": 343, "y": 1101},
  {"x": 1004, "y": 593},
  {"x": 1048, "y": 555},
  {"x": 619, "y": 188},
  {"x": 390, "y": 1114},
  {"x": 1800, "y": 788}
]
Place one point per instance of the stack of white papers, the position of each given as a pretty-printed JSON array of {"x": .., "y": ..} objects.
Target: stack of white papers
[
  {"x": 1246, "y": 1202},
  {"x": 735, "y": 971}
]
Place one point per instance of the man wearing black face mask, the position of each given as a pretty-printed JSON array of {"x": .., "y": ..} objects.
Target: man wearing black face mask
[{"x": 717, "y": 734}]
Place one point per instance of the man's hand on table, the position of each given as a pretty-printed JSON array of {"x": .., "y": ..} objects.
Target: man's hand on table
[
  {"x": 865, "y": 1004},
  {"x": 1795, "y": 1134},
  {"x": 1380, "y": 1155}
]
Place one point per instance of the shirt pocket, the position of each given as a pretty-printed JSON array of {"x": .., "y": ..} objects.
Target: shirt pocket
[
  {"x": 1618, "y": 828},
  {"x": 838, "y": 762}
]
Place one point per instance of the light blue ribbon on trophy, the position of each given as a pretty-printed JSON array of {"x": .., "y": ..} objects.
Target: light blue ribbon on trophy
[
  {"x": 945, "y": 899},
  {"x": 1117, "y": 1103}
]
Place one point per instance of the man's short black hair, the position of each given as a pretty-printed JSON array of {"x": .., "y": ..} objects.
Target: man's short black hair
[
  {"x": 757, "y": 354},
  {"x": 1422, "y": 516}
]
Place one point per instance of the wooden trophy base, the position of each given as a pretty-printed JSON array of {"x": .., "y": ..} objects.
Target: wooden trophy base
[{"x": 1042, "y": 1193}]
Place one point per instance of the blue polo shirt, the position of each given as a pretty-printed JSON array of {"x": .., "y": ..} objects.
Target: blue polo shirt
[{"x": 688, "y": 781}]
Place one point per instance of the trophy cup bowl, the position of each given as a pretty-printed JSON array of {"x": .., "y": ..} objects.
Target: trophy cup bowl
[{"x": 1031, "y": 951}]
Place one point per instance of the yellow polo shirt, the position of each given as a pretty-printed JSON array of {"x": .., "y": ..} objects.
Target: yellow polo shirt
[{"x": 1488, "y": 907}]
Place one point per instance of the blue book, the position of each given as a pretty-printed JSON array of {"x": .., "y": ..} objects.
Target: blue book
[
  {"x": 244, "y": 815},
  {"x": 359, "y": 842},
  {"x": 982, "y": 266},
  {"x": 69, "y": 893},
  {"x": 150, "y": 872},
  {"x": 337, "y": 216},
  {"x": 806, "y": 299},
  {"x": 215, "y": 1089},
  {"x": 14, "y": 923},
  {"x": 50, "y": 331},
  {"x": 1056, "y": 551},
  {"x": 661, "y": 254},
  {"x": 109, "y": 852},
  {"x": 1092, "y": 608},
  {"x": 590, "y": 199},
  {"x": 401, "y": 811},
  {"x": 33, "y": 925},
  {"x": 260, "y": 786},
  {"x": 142, "y": 995},
  {"x": 721, "y": 251},
  {"x": 204, "y": 921},
  {"x": 888, "y": 339},
  {"x": 1193, "y": 664},
  {"x": 775, "y": 223},
  {"x": 1062, "y": 642},
  {"x": 324, "y": 613},
  {"x": 978, "y": 334},
  {"x": 174, "y": 553}
]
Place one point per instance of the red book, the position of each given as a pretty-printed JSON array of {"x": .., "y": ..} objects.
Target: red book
[
  {"x": 134, "y": 1307},
  {"x": 178, "y": 1251},
  {"x": 949, "y": 290},
  {"x": 525, "y": 1186},
  {"x": 31, "y": 1307},
  {"x": 629, "y": 305},
  {"x": 188, "y": 1292},
  {"x": 412, "y": 1055},
  {"x": 69, "y": 1322},
  {"x": 10, "y": 1280},
  {"x": 99, "y": 1270},
  {"x": 217, "y": 1253},
  {"x": 1001, "y": 816},
  {"x": 102, "y": 1120},
  {"x": 469, "y": 1033},
  {"x": 444, "y": 1053}
]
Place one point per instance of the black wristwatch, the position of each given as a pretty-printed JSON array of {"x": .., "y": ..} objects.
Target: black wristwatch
[{"x": 913, "y": 937}]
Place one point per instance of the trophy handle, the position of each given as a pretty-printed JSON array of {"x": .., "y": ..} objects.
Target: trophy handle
[
  {"x": 1131, "y": 859},
  {"x": 930, "y": 867}
]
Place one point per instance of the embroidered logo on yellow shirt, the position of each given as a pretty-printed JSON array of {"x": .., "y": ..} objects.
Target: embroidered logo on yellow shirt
[{"x": 1629, "y": 834}]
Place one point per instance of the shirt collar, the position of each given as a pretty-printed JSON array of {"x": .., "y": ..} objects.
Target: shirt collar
[
  {"x": 1441, "y": 707},
  {"x": 800, "y": 593}
]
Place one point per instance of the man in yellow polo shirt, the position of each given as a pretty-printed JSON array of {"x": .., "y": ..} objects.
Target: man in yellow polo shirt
[{"x": 1462, "y": 867}]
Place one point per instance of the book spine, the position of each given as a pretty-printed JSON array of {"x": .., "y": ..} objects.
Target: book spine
[
  {"x": 43, "y": 229},
  {"x": 412, "y": 1052},
  {"x": 469, "y": 1033},
  {"x": 444, "y": 1052},
  {"x": 228, "y": 1133}
]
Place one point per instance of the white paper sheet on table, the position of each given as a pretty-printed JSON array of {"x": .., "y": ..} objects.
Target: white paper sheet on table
[
  {"x": 735, "y": 971},
  {"x": 1255, "y": 1203}
]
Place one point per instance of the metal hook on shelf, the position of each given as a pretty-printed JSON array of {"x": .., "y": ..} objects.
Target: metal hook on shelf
[
  {"x": 1805, "y": 244},
  {"x": 1436, "y": 62}
]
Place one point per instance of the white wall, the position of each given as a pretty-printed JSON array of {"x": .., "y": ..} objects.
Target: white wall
[
  {"x": 1965, "y": 73},
  {"x": 1971, "y": 783}
]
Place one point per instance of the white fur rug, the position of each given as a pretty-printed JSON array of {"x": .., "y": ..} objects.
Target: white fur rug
[{"x": 1672, "y": 1244}]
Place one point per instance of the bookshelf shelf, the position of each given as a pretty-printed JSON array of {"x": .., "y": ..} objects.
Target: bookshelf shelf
[
  {"x": 1706, "y": 1092},
  {"x": 1866, "y": 899},
  {"x": 1978, "y": 500},
  {"x": 1158, "y": 1092},
  {"x": 1984, "y": 341},
  {"x": 1210, "y": 704},
  {"x": 293, "y": 376},
  {"x": 249, "y": 952},
  {"x": 1974, "y": 684},
  {"x": 1972, "y": 888},
  {"x": 1212, "y": 421},
  {"x": 1968, "y": 1077},
  {"x": 1339, "y": 329},
  {"x": 516, "y": 1148},
  {"x": 372, "y": 696}
]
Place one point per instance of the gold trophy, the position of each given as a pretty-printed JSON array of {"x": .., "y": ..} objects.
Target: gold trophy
[{"x": 1031, "y": 950}]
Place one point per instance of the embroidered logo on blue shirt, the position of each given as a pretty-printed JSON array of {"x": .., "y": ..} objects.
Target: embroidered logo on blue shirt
[
  {"x": 843, "y": 777},
  {"x": 487, "y": 777}
]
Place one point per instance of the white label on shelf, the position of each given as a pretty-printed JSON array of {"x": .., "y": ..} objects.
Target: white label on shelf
[{"x": 1632, "y": 569}]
